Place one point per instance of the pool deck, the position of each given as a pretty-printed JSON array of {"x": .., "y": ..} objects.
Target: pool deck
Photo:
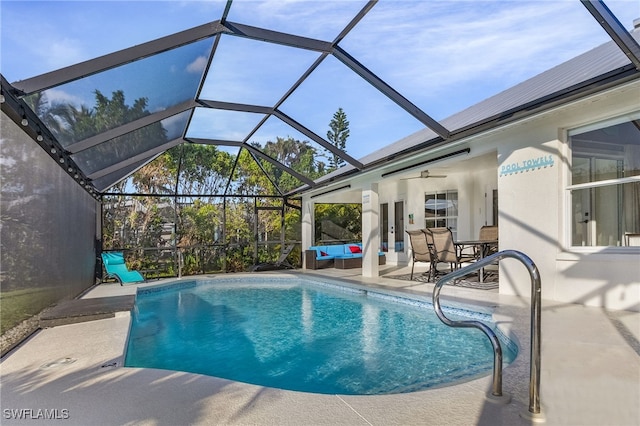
[{"x": 590, "y": 375}]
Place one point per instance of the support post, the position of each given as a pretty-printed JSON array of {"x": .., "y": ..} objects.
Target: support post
[
  {"x": 370, "y": 230},
  {"x": 307, "y": 226}
]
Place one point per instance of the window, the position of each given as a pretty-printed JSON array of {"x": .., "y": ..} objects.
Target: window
[
  {"x": 441, "y": 211},
  {"x": 399, "y": 224},
  {"x": 384, "y": 227},
  {"x": 605, "y": 182}
]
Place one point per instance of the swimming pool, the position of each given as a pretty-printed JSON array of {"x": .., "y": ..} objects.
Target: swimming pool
[{"x": 305, "y": 335}]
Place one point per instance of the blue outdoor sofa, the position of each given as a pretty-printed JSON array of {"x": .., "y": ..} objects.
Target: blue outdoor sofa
[{"x": 341, "y": 256}]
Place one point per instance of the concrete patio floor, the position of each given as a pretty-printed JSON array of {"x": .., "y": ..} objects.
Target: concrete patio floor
[{"x": 590, "y": 375}]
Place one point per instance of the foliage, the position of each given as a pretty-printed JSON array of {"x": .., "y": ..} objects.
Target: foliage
[
  {"x": 202, "y": 169},
  {"x": 338, "y": 135},
  {"x": 204, "y": 175}
]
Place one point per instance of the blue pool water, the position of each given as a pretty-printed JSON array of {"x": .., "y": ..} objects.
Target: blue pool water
[{"x": 300, "y": 335}]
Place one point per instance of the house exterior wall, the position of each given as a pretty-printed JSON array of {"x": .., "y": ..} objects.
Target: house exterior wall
[
  {"x": 534, "y": 205},
  {"x": 535, "y": 208}
]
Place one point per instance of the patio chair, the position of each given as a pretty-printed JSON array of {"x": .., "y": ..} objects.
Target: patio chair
[
  {"x": 281, "y": 263},
  {"x": 468, "y": 251},
  {"x": 444, "y": 249},
  {"x": 490, "y": 232},
  {"x": 420, "y": 251},
  {"x": 116, "y": 268}
]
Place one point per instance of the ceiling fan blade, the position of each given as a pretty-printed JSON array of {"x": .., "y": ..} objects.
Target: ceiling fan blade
[{"x": 425, "y": 175}]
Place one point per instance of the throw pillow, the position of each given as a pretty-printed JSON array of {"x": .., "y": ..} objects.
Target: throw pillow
[{"x": 355, "y": 249}]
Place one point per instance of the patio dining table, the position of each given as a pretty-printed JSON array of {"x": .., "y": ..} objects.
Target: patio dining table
[{"x": 482, "y": 247}]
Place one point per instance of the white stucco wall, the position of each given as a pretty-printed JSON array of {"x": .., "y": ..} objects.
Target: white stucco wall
[
  {"x": 529, "y": 212},
  {"x": 534, "y": 213}
]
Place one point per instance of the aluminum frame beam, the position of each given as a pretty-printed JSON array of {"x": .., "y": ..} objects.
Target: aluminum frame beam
[
  {"x": 256, "y": 151},
  {"x": 130, "y": 127},
  {"x": 16, "y": 109},
  {"x": 227, "y": 8},
  {"x": 261, "y": 34},
  {"x": 261, "y": 167},
  {"x": 292, "y": 89},
  {"x": 327, "y": 145},
  {"x": 131, "y": 160},
  {"x": 203, "y": 141},
  {"x": 125, "y": 176},
  {"x": 112, "y": 60},
  {"x": 310, "y": 70},
  {"x": 268, "y": 111},
  {"x": 230, "y": 106},
  {"x": 615, "y": 29},
  {"x": 366, "y": 8},
  {"x": 279, "y": 165},
  {"x": 390, "y": 92}
]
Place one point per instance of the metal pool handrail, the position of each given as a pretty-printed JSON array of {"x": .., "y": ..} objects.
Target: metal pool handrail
[{"x": 534, "y": 379}]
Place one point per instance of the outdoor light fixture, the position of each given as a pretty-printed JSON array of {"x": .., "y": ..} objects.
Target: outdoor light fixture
[
  {"x": 53, "y": 150},
  {"x": 24, "y": 120},
  {"x": 431, "y": 160},
  {"x": 61, "y": 160},
  {"x": 2, "y": 99},
  {"x": 39, "y": 138},
  {"x": 70, "y": 169}
]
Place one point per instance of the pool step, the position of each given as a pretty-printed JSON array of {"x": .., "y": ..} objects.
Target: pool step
[{"x": 82, "y": 310}]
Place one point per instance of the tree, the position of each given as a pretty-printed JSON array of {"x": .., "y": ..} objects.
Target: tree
[
  {"x": 338, "y": 135},
  {"x": 300, "y": 156}
]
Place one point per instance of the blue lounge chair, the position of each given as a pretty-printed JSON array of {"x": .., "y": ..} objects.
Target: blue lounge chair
[{"x": 116, "y": 268}]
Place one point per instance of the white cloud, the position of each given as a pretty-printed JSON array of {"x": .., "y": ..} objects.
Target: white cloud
[
  {"x": 61, "y": 52},
  {"x": 198, "y": 65},
  {"x": 448, "y": 55},
  {"x": 317, "y": 19},
  {"x": 60, "y": 96}
]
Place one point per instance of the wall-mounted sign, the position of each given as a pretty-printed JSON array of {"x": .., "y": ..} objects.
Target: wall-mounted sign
[
  {"x": 365, "y": 198},
  {"x": 527, "y": 165}
]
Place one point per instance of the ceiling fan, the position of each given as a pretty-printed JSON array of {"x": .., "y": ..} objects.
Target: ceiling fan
[{"x": 425, "y": 175}]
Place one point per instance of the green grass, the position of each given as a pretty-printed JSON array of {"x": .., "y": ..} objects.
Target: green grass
[{"x": 18, "y": 305}]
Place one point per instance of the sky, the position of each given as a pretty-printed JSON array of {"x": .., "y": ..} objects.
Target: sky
[{"x": 443, "y": 56}]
